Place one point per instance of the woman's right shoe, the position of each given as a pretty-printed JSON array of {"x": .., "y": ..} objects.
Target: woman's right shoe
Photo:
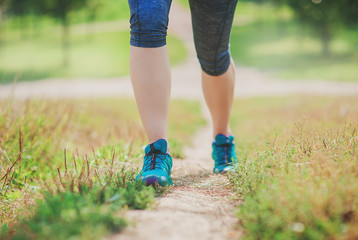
[{"x": 157, "y": 165}]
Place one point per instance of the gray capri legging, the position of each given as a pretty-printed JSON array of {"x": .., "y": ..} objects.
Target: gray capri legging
[{"x": 212, "y": 22}]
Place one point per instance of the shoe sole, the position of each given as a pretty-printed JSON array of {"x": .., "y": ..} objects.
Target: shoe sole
[
  {"x": 154, "y": 181},
  {"x": 224, "y": 171},
  {"x": 151, "y": 181}
]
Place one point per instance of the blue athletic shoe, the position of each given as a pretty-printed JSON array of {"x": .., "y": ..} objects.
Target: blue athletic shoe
[
  {"x": 224, "y": 154},
  {"x": 157, "y": 165}
]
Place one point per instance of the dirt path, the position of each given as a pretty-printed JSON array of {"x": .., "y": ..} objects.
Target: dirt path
[{"x": 198, "y": 206}]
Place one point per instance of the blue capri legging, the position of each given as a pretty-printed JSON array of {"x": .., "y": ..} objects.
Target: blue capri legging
[{"x": 211, "y": 19}]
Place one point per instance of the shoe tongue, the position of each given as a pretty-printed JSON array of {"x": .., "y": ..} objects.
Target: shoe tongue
[
  {"x": 222, "y": 139},
  {"x": 159, "y": 145}
]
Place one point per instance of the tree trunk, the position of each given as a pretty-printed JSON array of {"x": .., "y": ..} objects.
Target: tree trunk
[
  {"x": 90, "y": 27},
  {"x": 65, "y": 43},
  {"x": 1, "y": 28},
  {"x": 22, "y": 26},
  {"x": 326, "y": 38}
]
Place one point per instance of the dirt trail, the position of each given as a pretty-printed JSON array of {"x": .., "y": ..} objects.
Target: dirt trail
[{"x": 198, "y": 206}]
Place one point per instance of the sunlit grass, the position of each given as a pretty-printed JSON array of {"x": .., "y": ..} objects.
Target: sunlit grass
[
  {"x": 91, "y": 56},
  {"x": 273, "y": 42},
  {"x": 64, "y": 147},
  {"x": 297, "y": 173},
  {"x": 108, "y": 10},
  {"x": 183, "y": 3}
]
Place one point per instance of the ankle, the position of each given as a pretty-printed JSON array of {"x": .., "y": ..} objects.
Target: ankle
[{"x": 225, "y": 133}]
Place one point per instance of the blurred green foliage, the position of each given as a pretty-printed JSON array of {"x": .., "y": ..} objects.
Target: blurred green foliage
[
  {"x": 31, "y": 18},
  {"x": 93, "y": 55},
  {"x": 270, "y": 38},
  {"x": 94, "y": 42},
  {"x": 325, "y": 17},
  {"x": 282, "y": 37}
]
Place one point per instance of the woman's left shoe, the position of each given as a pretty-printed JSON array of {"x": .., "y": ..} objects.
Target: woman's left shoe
[{"x": 224, "y": 154}]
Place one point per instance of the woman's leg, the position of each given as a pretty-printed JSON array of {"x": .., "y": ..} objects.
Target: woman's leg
[
  {"x": 149, "y": 64},
  {"x": 219, "y": 94},
  {"x": 212, "y": 21},
  {"x": 150, "y": 76}
]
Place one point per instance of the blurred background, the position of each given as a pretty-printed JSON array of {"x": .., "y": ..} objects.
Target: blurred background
[
  {"x": 301, "y": 40},
  {"x": 298, "y": 153}
]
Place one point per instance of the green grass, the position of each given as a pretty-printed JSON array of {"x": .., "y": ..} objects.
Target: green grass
[
  {"x": 297, "y": 173},
  {"x": 184, "y": 3},
  {"x": 31, "y": 48},
  {"x": 91, "y": 56},
  {"x": 273, "y": 42},
  {"x": 89, "y": 212},
  {"x": 108, "y": 10},
  {"x": 88, "y": 185}
]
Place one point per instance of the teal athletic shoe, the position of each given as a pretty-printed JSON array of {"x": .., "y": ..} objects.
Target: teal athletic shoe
[
  {"x": 157, "y": 165},
  {"x": 224, "y": 154}
]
